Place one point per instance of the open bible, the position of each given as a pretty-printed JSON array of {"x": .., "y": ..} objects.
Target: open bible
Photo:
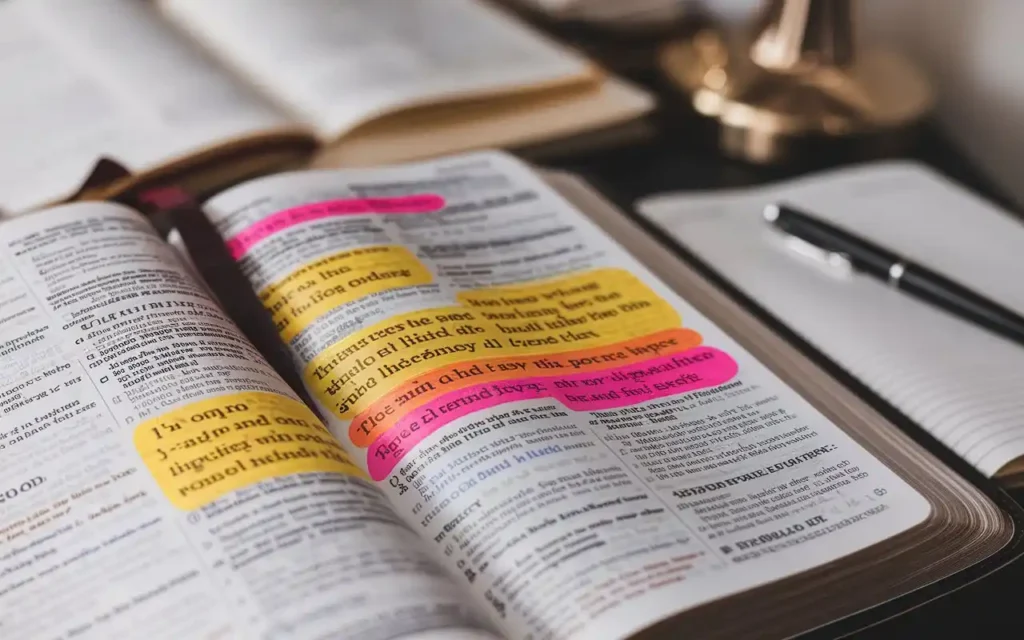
[
  {"x": 235, "y": 87},
  {"x": 507, "y": 424}
]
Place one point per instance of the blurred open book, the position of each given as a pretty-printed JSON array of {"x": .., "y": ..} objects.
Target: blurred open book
[{"x": 241, "y": 86}]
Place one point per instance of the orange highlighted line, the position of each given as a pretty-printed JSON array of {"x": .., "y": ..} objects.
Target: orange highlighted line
[{"x": 389, "y": 408}]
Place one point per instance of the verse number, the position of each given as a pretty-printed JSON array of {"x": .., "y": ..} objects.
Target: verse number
[{"x": 398, "y": 484}]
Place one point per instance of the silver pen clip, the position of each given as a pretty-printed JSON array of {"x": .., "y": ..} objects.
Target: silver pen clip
[{"x": 837, "y": 264}]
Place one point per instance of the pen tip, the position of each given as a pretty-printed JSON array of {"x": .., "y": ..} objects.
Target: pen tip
[{"x": 771, "y": 212}]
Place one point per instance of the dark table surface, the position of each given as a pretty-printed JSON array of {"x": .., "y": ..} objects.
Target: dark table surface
[{"x": 682, "y": 155}]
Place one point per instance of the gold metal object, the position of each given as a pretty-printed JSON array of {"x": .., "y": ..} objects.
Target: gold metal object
[{"x": 798, "y": 77}]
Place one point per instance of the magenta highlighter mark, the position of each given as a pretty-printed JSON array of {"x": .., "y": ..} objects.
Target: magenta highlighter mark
[
  {"x": 242, "y": 242},
  {"x": 640, "y": 382}
]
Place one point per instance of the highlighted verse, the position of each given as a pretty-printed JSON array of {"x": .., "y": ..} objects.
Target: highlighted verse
[
  {"x": 383, "y": 413},
  {"x": 240, "y": 244},
  {"x": 594, "y": 309},
  {"x": 201, "y": 451},
  {"x": 338, "y": 279},
  {"x": 697, "y": 368}
]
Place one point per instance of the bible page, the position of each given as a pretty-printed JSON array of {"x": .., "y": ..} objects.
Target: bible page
[
  {"x": 339, "y": 64},
  {"x": 108, "y": 78},
  {"x": 159, "y": 480},
  {"x": 584, "y": 450}
]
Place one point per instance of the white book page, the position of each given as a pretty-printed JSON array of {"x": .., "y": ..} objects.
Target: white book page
[
  {"x": 106, "y": 78},
  {"x": 159, "y": 480},
  {"x": 583, "y": 449},
  {"x": 339, "y": 63},
  {"x": 958, "y": 381}
]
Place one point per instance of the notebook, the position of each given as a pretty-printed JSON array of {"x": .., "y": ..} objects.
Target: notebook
[
  {"x": 959, "y": 382},
  {"x": 262, "y": 83}
]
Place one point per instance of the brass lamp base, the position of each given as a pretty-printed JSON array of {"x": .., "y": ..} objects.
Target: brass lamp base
[{"x": 768, "y": 116}]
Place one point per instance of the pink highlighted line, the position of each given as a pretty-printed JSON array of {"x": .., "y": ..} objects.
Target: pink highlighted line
[
  {"x": 243, "y": 241},
  {"x": 697, "y": 368}
]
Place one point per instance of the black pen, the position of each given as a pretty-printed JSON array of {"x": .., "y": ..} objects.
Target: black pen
[{"x": 869, "y": 258}]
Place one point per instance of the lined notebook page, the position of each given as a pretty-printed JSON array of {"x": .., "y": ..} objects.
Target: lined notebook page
[{"x": 959, "y": 382}]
